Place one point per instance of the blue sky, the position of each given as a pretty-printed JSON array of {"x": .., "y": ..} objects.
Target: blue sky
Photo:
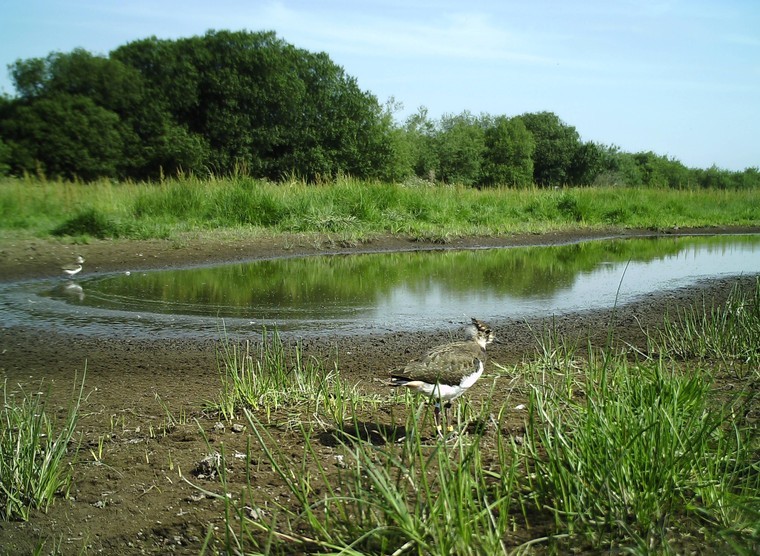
[{"x": 680, "y": 78}]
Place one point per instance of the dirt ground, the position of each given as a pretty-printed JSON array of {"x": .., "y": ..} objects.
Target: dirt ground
[{"x": 138, "y": 428}]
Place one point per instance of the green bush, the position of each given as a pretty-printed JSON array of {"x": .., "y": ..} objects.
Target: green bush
[{"x": 89, "y": 222}]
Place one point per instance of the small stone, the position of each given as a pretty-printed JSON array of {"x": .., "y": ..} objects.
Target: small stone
[
  {"x": 208, "y": 467},
  {"x": 255, "y": 514}
]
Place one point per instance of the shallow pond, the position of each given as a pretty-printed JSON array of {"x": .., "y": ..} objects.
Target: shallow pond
[{"x": 376, "y": 292}]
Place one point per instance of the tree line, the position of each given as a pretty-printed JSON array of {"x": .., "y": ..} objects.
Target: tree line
[{"x": 248, "y": 102}]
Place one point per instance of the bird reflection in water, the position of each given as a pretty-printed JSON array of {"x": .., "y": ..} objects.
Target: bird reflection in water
[{"x": 71, "y": 289}]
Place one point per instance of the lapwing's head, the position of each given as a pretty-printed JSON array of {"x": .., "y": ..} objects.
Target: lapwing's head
[
  {"x": 80, "y": 259},
  {"x": 480, "y": 332}
]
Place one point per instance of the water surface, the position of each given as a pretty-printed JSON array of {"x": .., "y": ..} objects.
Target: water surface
[{"x": 376, "y": 292}]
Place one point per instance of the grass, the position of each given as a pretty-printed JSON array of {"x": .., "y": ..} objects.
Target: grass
[
  {"x": 271, "y": 377},
  {"x": 726, "y": 333},
  {"x": 411, "y": 496},
  {"x": 351, "y": 210},
  {"x": 32, "y": 454},
  {"x": 622, "y": 451},
  {"x": 640, "y": 455}
]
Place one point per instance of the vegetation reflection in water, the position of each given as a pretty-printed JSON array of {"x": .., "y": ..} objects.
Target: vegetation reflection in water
[{"x": 336, "y": 286}]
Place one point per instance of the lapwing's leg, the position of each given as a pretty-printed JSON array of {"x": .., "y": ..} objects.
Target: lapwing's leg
[
  {"x": 437, "y": 415},
  {"x": 449, "y": 423}
]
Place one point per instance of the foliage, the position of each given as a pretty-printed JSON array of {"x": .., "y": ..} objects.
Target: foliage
[
  {"x": 225, "y": 101},
  {"x": 556, "y": 146},
  {"x": 263, "y": 105},
  {"x": 460, "y": 145},
  {"x": 65, "y": 136},
  {"x": 419, "y": 132},
  {"x": 5, "y": 158},
  {"x": 508, "y": 158}
]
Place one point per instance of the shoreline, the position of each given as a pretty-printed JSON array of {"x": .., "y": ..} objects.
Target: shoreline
[{"x": 41, "y": 258}]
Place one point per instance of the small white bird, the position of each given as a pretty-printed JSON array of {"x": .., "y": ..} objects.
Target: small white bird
[
  {"x": 447, "y": 371},
  {"x": 72, "y": 269}
]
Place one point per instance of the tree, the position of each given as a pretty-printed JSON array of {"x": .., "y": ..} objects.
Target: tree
[
  {"x": 587, "y": 163},
  {"x": 420, "y": 132},
  {"x": 715, "y": 178},
  {"x": 661, "y": 171},
  {"x": 150, "y": 142},
  {"x": 460, "y": 144},
  {"x": 29, "y": 77},
  {"x": 264, "y": 106},
  {"x": 556, "y": 146},
  {"x": 508, "y": 156},
  {"x": 749, "y": 178},
  {"x": 5, "y": 158},
  {"x": 618, "y": 169},
  {"x": 65, "y": 136}
]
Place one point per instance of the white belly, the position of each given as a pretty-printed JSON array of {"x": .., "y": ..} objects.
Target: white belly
[{"x": 449, "y": 391}]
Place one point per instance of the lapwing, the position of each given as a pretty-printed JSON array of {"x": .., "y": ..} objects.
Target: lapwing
[
  {"x": 73, "y": 269},
  {"x": 447, "y": 371}
]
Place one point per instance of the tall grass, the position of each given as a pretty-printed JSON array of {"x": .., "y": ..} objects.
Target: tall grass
[
  {"x": 32, "y": 469},
  {"x": 350, "y": 207},
  {"x": 728, "y": 333}
]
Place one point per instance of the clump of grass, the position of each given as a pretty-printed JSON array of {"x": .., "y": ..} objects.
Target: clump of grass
[
  {"x": 395, "y": 498},
  {"x": 269, "y": 376},
  {"x": 640, "y": 459},
  {"x": 726, "y": 332},
  {"x": 32, "y": 469},
  {"x": 88, "y": 222}
]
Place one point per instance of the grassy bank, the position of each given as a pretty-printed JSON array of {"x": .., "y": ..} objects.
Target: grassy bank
[{"x": 350, "y": 209}]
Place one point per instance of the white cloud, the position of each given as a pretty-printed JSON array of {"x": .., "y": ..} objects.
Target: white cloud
[{"x": 453, "y": 35}]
